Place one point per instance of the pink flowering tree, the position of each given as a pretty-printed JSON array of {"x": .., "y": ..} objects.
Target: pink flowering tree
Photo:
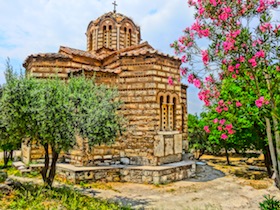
[
  {"x": 239, "y": 125},
  {"x": 243, "y": 44}
]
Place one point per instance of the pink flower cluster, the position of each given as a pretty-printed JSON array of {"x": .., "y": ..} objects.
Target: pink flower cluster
[
  {"x": 183, "y": 71},
  {"x": 222, "y": 106},
  {"x": 222, "y": 127},
  {"x": 234, "y": 69},
  {"x": 184, "y": 59},
  {"x": 261, "y": 101},
  {"x": 208, "y": 91},
  {"x": 197, "y": 83},
  {"x": 259, "y": 54},
  {"x": 264, "y": 4},
  {"x": 204, "y": 95},
  {"x": 170, "y": 81},
  {"x": 193, "y": 80},
  {"x": 205, "y": 57},
  {"x": 206, "y": 128},
  {"x": 265, "y": 27},
  {"x": 225, "y": 14},
  {"x": 258, "y": 41},
  {"x": 200, "y": 29}
]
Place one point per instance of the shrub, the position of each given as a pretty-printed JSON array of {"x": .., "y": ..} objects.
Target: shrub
[{"x": 270, "y": 203}]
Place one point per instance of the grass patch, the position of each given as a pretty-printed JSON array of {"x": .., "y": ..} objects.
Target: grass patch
[
  {"x": 31, "y": 196},
  {"x": 97, "y": 185}
]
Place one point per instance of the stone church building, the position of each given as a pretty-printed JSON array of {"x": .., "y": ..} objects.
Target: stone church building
[{"x": 155, "y": 111}]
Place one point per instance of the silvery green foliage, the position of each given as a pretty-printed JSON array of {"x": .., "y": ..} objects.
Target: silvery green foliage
[
  {"x": 52, "y": 112},
  {"x": 95, "y": 111}
]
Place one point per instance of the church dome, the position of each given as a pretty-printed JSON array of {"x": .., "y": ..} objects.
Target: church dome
[{"x": 112, "y": 30}]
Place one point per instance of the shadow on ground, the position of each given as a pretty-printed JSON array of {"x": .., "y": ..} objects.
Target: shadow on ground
[
  {"x": 206, "y": 173},
  {"x": 134, "y": 203}
]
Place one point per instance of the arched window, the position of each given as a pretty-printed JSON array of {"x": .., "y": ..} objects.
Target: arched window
[
  {"x": 90, "y": 42},
  {"x": 183, "y": 118},
  {"x": 167, "y": 113},
  {"x": 104, "y": 36},
  {"x": 161, "y": 112},
  {"x": 110, "y": 37},
  {"x": 125, "y": 36},
  {"x": 129, "y": 38},
  {"x": 174, "y": 113}
]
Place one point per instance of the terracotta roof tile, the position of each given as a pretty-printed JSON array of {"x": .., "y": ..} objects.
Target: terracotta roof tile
[
  {"x": 144, "y": 51},
  {"x": 73, "y": 51},
  {"x": 45, "y": 55},
  {"x": 96, "y": 69}
]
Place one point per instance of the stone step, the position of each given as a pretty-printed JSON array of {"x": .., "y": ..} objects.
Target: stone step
[{"x": 18, "y": 164}]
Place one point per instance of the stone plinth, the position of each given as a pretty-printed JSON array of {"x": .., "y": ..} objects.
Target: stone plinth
[{"x": 135, "y": 174}]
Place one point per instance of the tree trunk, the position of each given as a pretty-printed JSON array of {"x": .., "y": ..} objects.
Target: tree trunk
[
  {"x": 53, "y": 167},
  {"x": 44, "y": 170},
  {"x": 201, "y": 152},
  {"x": 276, "y": 150},
  {"x": 277, "y": 142},
  {"x": 272, "y": 150},
  {"x": 227, "y": 156},
  {"x": 11, "y": 154},
  {"x": 6, "y": 158},
  {"x": 237, "y": 151},
  {"x": 267, "y": 161}
]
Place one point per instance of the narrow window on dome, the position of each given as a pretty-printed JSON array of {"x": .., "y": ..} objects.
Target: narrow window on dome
[
  {"x": 125, "y": 37},
  {"x": 129, "y": 38},
  {"x": 161, "y": 113},
  {"x": 110, "y": 37},
  {"x": 104, "y": 36},
  {"x": 174, "y": 113},
  {"x": 90, "y": 42}
]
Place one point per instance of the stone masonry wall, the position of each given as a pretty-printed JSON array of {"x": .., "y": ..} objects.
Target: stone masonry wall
[{"x": 128, "y": 174}]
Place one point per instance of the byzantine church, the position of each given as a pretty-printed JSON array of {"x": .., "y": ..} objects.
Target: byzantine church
[{"x": 155, "y": 111}]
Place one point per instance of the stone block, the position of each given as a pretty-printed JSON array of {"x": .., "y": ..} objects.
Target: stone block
[
  {"x": 98, "y": 151},
  {"x": 156, "y": 180},
  {"x": 178, "y": 144},
  {"x": 88, "y": 175},
  {"x": 169, "y": 145},
  {"x": 108, "y": 157},
  {"x": 159, "y": 146},
  {"x": 163, "y": 179},
  {"x": 125, "y": 161},
  {"x": 160, "y": 73},
  {"x": 100, "y": 175},
  {"x": 122, "y": 154},
  {"x": 147, "y": 179},
  {"x": 162, "y": 86},
  {"x": 97, "y": 157}
]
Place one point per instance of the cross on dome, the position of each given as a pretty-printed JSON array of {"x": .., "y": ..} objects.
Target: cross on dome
[{"x": 115, "y": 6}]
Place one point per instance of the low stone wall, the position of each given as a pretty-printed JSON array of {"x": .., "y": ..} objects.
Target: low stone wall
[{"x": 135, "y": 174}]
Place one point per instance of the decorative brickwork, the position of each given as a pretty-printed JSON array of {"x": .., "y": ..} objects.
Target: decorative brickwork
[{"x": 156, "y": 112}]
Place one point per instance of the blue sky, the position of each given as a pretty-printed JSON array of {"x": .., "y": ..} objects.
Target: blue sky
[{"x": 40, "y": 26}]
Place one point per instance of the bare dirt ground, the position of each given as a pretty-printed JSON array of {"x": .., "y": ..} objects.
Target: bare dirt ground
[
  {"x": 215, "y": 187},
  {"x": 211, "y": 189}
]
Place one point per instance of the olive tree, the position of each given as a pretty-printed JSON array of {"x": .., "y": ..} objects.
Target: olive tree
[{"x": 52, "y": 112}]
